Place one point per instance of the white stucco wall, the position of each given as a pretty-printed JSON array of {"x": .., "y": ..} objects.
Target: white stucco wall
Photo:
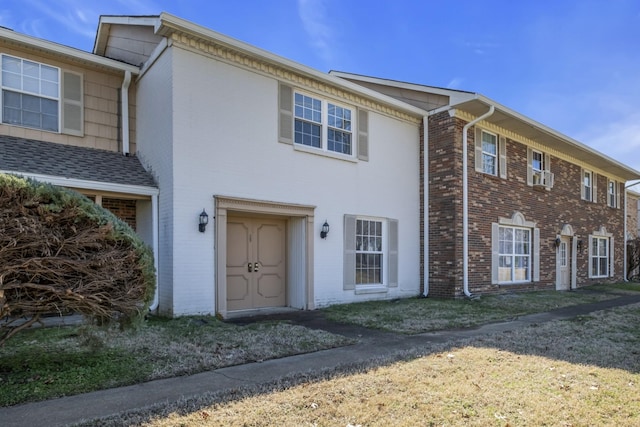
[
  {"x": 226, "y": 143},
  {"x": 154, "y": 124}
]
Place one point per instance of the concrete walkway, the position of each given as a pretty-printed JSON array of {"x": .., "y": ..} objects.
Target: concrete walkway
[{"x": 372, "y": 345}]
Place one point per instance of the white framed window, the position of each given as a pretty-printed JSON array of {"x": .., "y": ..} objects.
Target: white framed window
[
  {"x": 539, "y": 169},
  {"x": 322, "y": 124},
  {"x": 370, "y": 253},
  {"x": 601, "y": 254},
  {"x": 588, "y": 186},
  {"x": 599, "y": 259},
  {"x": 41, "y": 96},
  {"x": 490, "y": 153},
  {"x": 515, "y": 251},
  {"x": 515, "y": 255},
  {"x": 30, "y": 94},
  {"x": 612, "y": 194}
]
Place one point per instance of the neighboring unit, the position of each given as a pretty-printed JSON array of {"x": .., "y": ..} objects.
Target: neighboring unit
[{"x": 512, "y": 203}]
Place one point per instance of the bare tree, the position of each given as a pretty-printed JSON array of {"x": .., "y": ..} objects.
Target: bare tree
[{"x": 633, "y": 259}]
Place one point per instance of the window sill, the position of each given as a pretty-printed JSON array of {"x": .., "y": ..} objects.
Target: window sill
[
  {"x": 324, "y": 153},
  {"x": 371, "y": 289}
]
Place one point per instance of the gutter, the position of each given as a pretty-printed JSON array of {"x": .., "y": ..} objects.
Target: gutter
[
  {"x": 125, "y": 112},
  {"x": 465, "y": 201}
]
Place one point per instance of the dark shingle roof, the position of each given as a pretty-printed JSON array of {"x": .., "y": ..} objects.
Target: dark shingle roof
[{"x": 46, "y": 158}]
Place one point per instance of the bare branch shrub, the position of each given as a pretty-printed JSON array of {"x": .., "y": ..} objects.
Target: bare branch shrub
[
  {"x": 60, "y": 253},
  {"x": 633, "y": 259}
]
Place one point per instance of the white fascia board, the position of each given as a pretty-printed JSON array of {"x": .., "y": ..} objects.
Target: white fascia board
[
  {"x": 138, "y": 190},
  {"x": 454, "y": 94},
  {"x": 551, "y": 132},
  {"x": 167, "y": 23},
  {"x": 66, "y": 51}
]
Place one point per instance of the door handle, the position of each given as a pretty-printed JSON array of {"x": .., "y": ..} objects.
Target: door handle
[
  {"x": 250, "y": 267},
  {"x": 256, "y": 267}
]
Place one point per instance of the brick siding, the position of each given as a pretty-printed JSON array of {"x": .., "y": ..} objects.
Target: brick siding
[
  {"x": 123, "y": 209},
  {"x": 491, "y": 197}
]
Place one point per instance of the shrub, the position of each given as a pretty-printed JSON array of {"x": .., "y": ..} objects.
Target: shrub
[{"x": 60, "y": 253}]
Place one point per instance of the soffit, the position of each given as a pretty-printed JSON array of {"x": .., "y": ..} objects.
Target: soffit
[{"x": 527, "y": 130}]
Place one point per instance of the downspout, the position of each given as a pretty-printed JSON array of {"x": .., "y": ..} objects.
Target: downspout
[
  {"x": 425, "y": 201},
  {"x": 465, "y": 202},
  {"x": 125, "y": 112},
  {"x": 155, "y": 247}
]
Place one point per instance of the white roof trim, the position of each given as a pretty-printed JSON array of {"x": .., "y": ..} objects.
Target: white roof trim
[
  {"x": 454, "y": 94},
  {"x": 104, "y": 25},
  {"x": 168, "y": 22},
  {"x": 66, "y": 51},
  {"x": 138, "y": 190},
  {"x": 552, "y": 132}
]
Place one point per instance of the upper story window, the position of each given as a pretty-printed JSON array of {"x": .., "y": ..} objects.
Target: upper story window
[
  {"x": 41, "y": 96},
  {"x": 490, "y": 153},
  {"x": 322, "y": 124},
  {"x": 612, "y": 194},
  {"x": 588, "y": 186},
  {"x": 538, "y": 169},
  {"x": 325, "y": 126},
  {"x": 30, "y": 94}
]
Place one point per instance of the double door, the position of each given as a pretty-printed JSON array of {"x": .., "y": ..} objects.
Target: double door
[{"x": 256, "y": 263}]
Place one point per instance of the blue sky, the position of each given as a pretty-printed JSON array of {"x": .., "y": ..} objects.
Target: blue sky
[{"x": 573, "y": 65}]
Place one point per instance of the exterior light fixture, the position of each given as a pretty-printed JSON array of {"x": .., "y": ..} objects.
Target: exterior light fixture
[
  {"x": 580, "y": 245},
  {"x": 204, "y": 220},
  {"x": 325, "y": 230},
  {"x": 557, "y": 242}
]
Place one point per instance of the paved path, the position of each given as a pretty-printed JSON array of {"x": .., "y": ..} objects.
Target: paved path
[{"x": 372, "y": 345}]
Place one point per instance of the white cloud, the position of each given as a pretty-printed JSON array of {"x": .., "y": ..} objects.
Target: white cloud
[
  {"x": 314, "y": 20},
  {"x": 455, "y": 83},
  {"x": 619, "y": 140}
]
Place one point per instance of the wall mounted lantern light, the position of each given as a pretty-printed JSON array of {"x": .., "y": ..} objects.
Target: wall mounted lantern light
[
  {"x": 204, "y": 220},
  {"x": 557, "y": 242},
  {"x": 580, "y": 245},
  {"x": 325, "y": 230}
]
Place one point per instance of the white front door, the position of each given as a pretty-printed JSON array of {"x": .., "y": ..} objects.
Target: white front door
[{"x": 563, "y": 259}]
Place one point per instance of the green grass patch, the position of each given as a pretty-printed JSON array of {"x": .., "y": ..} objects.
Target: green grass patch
[
  {"x": 46, "y": 363},
  {"x": 417, "y": 315}
]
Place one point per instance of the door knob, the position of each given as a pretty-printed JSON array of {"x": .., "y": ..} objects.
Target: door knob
[
  {"x": 250, "y": 267},
  {"x": 256, "y": 267}
]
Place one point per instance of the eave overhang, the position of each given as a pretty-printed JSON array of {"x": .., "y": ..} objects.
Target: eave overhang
[
  {"x": 64, "y": 52},
  {"x": 522, "y": 127}
]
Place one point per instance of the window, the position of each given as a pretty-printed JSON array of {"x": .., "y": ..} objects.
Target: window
[
  {"x": 490, "y": 153},
  {"x": 30, "y": 94},
  {"x": 325, "y": 127},
  {"x": 599, "y": 257},
  {"x": 538, "y": 169},
  {"x": 588, "y": 186},
  {"x": 515, "y": 255},
  {"x": 322, "y": 124},
  {"x": 370, "y": 253},
  {"x": 515, "y": 247},
  {"x": 41, "y": 96},
  {"x": 612, "y": 194}
]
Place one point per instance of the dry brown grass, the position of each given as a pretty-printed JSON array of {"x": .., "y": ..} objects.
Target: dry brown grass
[{"x": 581, "y": 372}]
